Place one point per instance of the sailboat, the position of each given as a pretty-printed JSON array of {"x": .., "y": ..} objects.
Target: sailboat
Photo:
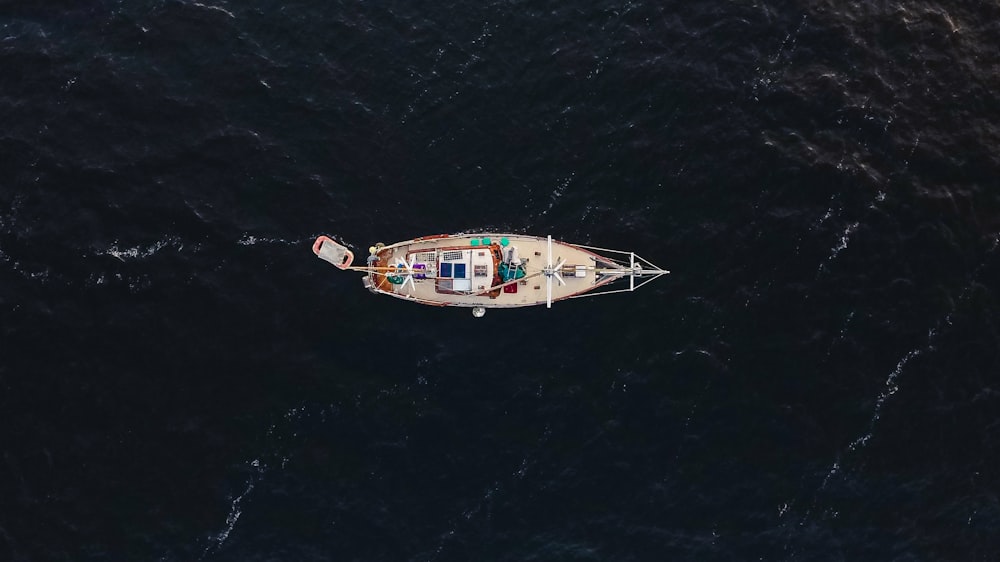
[{"x": 491, "y": 270}]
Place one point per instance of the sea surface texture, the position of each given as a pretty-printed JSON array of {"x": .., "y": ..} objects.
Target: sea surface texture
[{"x": 181, "y": 379}]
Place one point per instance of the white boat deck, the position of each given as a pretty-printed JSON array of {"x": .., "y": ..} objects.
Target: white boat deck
[{"x": 460, "y": 270}]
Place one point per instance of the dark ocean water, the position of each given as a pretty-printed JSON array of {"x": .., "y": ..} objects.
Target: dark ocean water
[{"x": 181, "y": 379}]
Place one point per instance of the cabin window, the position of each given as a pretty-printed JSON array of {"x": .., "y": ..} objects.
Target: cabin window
[{"x": 456, "y": 270}]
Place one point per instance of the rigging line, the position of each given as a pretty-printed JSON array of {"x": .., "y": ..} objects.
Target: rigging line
[
  {"x": 599, "y": 294},
  {"x": 657, "y": 276},
  {"x": 602, "y": 249},
  {"x": 511, "y": 282}
]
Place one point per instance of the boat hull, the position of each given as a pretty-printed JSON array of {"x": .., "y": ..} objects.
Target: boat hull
[
  {"x": 467, "y": 270},
  {"x": 475, "y": 291},
  {"x": 491, "y": 270}
]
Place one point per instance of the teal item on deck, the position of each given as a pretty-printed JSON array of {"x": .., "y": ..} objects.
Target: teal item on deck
[
  {"x": 475, "y": 241},
  {"x": 508, "y": 273},
  {"x": 504, "y": 242},
  {"x": 486, "y": 241}
]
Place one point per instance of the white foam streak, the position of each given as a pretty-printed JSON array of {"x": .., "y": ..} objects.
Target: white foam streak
[
  {"x": 140, "y": 252},
  {"x": 235, "y": 510},
  {"x": 765, "y": 78},
  {"x": 825, "y": 217},
  {"x": 42, "y": 275},
  {"x": 789, "y": 42},
  {"x": 906, "y": 162},
  {"x": 842, "y": 243},
  {"x": 233, "y": 517},
  {"x": 251, "y": 240},
  {"x": 844, "y": 240},
  {"x": 890, "y": 388},
  {"x": 213, "y": 8},
  {"x": 558, "y": 192}
]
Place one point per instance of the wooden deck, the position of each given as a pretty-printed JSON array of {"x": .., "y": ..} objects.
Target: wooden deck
[{"x": 530, "y": 291}]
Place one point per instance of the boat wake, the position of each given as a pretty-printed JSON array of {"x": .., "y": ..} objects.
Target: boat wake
[
  {"x": 136, "y": 256},
  {"x": 251, "y": 240},
  {"x": 139, "y": 252}
]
